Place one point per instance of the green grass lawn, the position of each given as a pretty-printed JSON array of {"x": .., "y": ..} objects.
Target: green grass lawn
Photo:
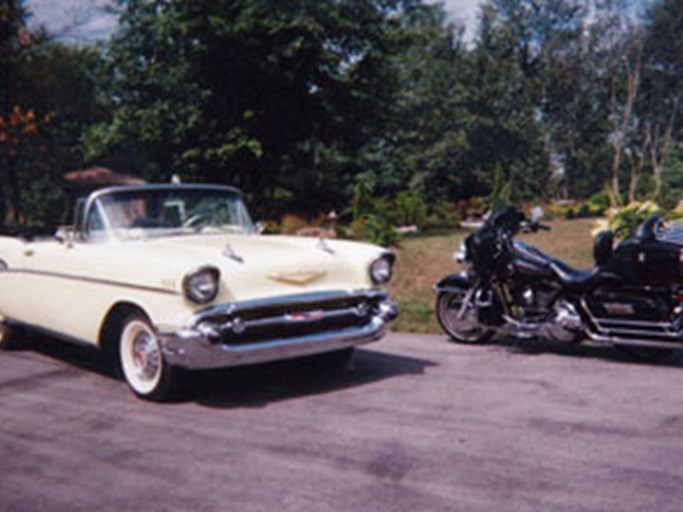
[{"x": 422, "y": 260}]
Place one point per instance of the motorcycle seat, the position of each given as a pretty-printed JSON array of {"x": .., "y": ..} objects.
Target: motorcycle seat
[{"x": 572, "y": 278}]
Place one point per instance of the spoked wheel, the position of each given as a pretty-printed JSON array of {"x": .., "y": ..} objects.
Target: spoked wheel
[
  {"x": 7, "y": 342},
  {"x": 465, "y": 326},
  {"x": 146, "y": 371}
]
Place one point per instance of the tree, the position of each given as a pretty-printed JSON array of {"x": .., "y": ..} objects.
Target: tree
[
  {"x": 60, "y": 80},
  {"x": 618, "y": 59},
  {"x": 662, "y": 88},
  {"x": 428, "y": 130},
  {"x": 278, "y": 98},
  {"x": 47, "y": 97},
  {"x": 506, "y": 130},
  {"x": 16, "y": 121}
]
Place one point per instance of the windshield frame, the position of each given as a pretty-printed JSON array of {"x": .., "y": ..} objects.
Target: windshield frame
[{"x": 95, "y": 201}]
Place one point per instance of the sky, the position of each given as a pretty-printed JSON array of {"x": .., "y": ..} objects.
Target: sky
[
  {"x": 85, "y": 20},
  {"x": 73, "y": 20}
]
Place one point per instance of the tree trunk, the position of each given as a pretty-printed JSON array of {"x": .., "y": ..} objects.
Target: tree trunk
[
  {"x": 636, "y": 169},
  {"x": 658, "y": 151},
  {"x": 619, "y": 132}
]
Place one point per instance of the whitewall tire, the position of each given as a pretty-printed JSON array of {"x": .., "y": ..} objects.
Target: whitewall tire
[{"x": 142, "y": 362}]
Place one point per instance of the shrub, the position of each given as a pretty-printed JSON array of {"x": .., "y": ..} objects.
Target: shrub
[
  {"x": 411, "y": 209},
  {"x": 599, "y": 202},
  {"x": 290, "y": 224},
  {"x": 377, "y": 230},
  {"x": 442, "y": 215},
  {"x": 624, "y": 221}
]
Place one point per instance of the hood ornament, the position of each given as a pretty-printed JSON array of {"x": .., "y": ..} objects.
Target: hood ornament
[
  {"x": 324, "y": 246},
  {"x": 229, "y": 252}
]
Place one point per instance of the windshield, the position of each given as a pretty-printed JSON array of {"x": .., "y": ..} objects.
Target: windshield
[{"x": 149, "y": 212}]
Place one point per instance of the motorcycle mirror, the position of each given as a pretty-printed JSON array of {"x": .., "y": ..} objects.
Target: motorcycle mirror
[{"x": 536, "y": 213}]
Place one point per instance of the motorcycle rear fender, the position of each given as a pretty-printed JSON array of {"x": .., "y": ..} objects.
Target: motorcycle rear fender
[{"x": 454, "y": 282}]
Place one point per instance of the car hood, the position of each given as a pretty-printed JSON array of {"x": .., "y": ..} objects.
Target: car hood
[{"x": 262, "y": 266}]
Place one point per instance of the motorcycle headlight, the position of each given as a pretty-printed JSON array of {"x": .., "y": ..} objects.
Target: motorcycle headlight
[
  {"x": 381, "y": 269},
  {"x": 201, "y": 285}
]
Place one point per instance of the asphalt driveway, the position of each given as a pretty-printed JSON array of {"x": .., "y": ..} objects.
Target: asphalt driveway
[{"x": 418, "y": 425}]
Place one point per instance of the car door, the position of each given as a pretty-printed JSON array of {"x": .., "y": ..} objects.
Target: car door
[{"x": 55, "y": 288}]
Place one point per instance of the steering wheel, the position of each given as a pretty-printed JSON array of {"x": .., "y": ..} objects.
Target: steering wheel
[{"x": 199, "y": 220}]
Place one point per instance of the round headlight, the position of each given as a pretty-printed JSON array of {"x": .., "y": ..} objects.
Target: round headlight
[
  {"x": 201, "y": 286},
  {"x": 381, "y": 269}
]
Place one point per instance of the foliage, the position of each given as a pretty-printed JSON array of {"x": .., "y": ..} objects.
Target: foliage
[
  {"x": 376, "y": 229},
  {"x": 624, "y": 221},
  {"x": 500, "y": 193},
  {"x": 47, "y": 99},
  {"x": 595, "y": 206},
  {"x": 373, "y": 219},
  {"x": 442, "y": 214},
  {"x": 290, "y": 224},
  {"x": 380, "y": 106},
  {"x": 411, "y": 210},
  {"x": 262, "y": 94},
  {"x": 599, "y": 202},
  {"x": 671, "y": 191}
]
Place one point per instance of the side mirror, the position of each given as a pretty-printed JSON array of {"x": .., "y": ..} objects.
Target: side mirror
[{"x": 65, "y": 235}]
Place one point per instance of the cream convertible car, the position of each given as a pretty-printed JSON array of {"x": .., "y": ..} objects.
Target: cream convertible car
[{"x": 165, "y": 276}]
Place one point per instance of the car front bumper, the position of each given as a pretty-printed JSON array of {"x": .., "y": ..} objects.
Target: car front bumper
[{"x": 216, "y": 338}]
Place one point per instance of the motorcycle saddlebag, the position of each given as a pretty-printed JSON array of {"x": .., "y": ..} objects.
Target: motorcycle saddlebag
[{"x": 651, "y": 262}]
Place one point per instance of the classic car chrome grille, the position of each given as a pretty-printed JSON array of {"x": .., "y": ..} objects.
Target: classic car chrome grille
[{"x": 291, "y": 316}]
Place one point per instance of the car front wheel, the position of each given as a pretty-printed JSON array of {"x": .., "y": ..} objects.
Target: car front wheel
[{"x": 143, "y": 365}]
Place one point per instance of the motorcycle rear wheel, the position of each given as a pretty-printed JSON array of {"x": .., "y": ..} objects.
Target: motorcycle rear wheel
[{"x": 465, "y": 328}]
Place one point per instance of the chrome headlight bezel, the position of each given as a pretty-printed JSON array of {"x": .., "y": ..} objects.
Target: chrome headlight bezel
[
  {"x": 201, "y": 285},
  {"x": 381, "y": 269}
]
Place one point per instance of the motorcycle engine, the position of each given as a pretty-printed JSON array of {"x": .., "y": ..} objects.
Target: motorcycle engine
[
  {"x": 540, "y": 314},
  {"x": 566, "y": 326},
  {"x": 534, "y": 301}
]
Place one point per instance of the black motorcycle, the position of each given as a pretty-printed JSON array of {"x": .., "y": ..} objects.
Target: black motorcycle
[{"x": 632, "y": 298}]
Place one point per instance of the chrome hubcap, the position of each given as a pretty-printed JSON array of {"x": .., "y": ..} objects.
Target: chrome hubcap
[{"x": 146, "y": 357}]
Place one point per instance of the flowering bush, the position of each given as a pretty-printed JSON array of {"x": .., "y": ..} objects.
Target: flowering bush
[{"x": 624, "y": 220}]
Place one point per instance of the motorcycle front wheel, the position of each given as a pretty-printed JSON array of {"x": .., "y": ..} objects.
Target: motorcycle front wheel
[{"x": 465, "y": 327}]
